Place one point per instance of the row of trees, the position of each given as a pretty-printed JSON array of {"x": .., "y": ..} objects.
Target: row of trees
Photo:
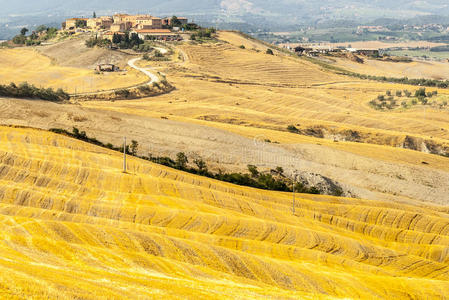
[
  {"x": 25, "y": 90},
  {"x": 254, "y": 178},
  {"x": 404, "y": 80},
  {"x": 127, "y": 41}
]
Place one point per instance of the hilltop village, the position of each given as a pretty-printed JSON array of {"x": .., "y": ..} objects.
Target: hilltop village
[{"x": 147, "y": 27}]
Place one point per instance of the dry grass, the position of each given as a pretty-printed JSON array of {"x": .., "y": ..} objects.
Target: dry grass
[
  {"x": 416, "y": 69},
  {"x": 24, "y": 64},
  {"x": 74, "y": 226}
]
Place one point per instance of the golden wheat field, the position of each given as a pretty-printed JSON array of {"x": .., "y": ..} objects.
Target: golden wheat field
[
  {"x": 27, "y": 65},
  {"x": 74, "y": 226}
]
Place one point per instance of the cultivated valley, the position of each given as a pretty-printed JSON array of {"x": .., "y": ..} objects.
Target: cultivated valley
[{"x": 300, "y": 176}]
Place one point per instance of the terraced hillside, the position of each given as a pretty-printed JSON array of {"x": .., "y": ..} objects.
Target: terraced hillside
[{"x": 74, "y": 226}]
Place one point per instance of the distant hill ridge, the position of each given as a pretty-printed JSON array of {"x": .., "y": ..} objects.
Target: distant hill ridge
[{"x": 297, "y": 10}]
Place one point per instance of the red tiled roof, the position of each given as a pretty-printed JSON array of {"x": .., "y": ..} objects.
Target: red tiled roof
[{"x": 153, "y": 31}]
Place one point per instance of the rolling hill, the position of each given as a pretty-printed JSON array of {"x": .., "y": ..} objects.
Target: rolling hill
[
  {"x": 74, "y": 226},
  {"x": 232, "y": 107}
]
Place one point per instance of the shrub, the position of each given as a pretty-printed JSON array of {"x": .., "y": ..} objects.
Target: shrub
[
  {"x": 181, "y": 161},
  {"x": 144, "y": 89},
  {"x": 381, "y": 98},
  {"x": 134, "y": 147},
  {"x": 269, "y": 52},
  {"x": 292, "y": 129},
  {"x": 19, "y": 40},
  {"x": 420, "y": 92},
  {"x": 102, "y": 43},
  {"x": 253, "y": 170},
  {"x": 423, "y": 100},
  {"x": 398, "y": 93},
  {"x": 388, "y": 93},
  {"x": 201, "y": 165},
  {"x": 242, "y": 47},
  {"x": 25, "y": 90},
  {"x": 122, "y": 93}
]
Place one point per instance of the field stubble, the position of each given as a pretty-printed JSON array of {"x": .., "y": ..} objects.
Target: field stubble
[{"x": 68, "y": 212}]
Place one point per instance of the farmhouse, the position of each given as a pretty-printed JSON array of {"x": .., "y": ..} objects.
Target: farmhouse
[
  {"x": 70, "y": 24},
  {"x": 120, "y": 27},
  {"x": 100, "y": 23},
  {"x": 157, "y": 34},
  {"x": 148, "y": 22},
  {"x": 106, "y": 68},
  {"x": 368, "y": 52}
]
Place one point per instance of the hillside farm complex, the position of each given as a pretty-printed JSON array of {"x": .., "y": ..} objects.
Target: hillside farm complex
[{"x": 145, "y": 26}]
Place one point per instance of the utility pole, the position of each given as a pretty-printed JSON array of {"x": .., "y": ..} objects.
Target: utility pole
[
  {"x": 295, "y": 175},
  {"x": 124, "y": 155}
]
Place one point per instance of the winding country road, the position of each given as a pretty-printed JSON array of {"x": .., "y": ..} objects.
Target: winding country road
[
  {"x": 147, "y": 71},
  {"x": 152, "y": 76}
]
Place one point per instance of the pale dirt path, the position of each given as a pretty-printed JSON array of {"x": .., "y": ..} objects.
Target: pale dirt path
[{"x": 147, "y": 71}]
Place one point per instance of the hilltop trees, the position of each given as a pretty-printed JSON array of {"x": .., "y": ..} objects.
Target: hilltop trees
[
  {"x": 42, "y": 32},
  {"x": 24, "y": 31},
  {"x": 203, "y": 34},
  {"x": 175, "y": 22},
  {"x": 126, "y": 41},
  {"x": 95, "y": 41}
]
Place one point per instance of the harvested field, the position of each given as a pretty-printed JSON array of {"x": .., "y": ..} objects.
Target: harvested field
[
  {"x": 74, "y": 226},
  {"x": 26, "y": 64},
  {"x": 416, "y": 69}
]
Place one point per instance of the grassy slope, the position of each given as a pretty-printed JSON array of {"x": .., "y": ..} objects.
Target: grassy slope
[
  {"x": 73, "y": 225},
  {"x": 25, "y": 64}
]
